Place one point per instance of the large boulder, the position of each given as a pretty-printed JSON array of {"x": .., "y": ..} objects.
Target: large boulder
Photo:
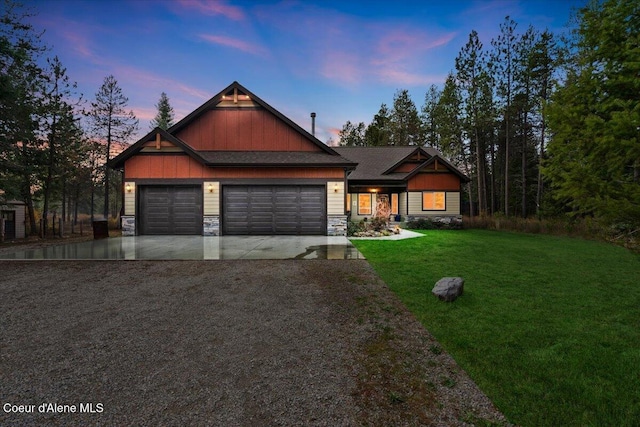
[{"x": 448, "y": 288}]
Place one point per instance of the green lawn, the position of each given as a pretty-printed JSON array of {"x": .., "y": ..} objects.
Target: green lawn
[{"x": 548, "y": 327}]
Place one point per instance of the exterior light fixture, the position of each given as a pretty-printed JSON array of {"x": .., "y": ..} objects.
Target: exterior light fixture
[
  {"x": 128, "y": 188},
  {"x": 210, "y": 188},
  {"x": 335, "y": 188}
]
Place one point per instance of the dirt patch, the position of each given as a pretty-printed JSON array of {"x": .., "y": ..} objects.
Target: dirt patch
[{"x": 222, "y": 343}]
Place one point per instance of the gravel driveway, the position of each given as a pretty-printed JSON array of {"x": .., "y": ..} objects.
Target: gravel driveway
[{"x": 230, "y": 343}]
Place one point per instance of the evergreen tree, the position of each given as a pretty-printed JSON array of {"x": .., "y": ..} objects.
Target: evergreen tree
[
  {"x": 448, "y": 116},
  {"x": 404, "y": 123},
  {"x": 472, "y": 76},
  {"x": 112, "y": 124},
  {"x": 352, "y": 135},
  {"x": 594, "y": 156},
  {"x": 164, "y": 117},
  {"x": 502, "y": 65},
  {"x": 61, "y": 134},
  {"x": 544, "y": 61},
  {"x": 429, "y": 119},
  {"x": 377, "y": 133},
  {"x": 20, "y": 80}
]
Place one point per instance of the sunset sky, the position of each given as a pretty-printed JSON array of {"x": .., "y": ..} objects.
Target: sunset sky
[{"x": 340, "y": 59}]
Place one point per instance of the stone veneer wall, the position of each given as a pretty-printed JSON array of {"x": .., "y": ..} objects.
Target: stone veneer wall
[
  {"x": 336, "y": 225},
  {"x": 128, "y": 225},
  {"x": 211, "y": 225}
]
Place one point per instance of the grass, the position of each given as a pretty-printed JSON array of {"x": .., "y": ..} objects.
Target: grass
[{"x": 548, "y": 327}]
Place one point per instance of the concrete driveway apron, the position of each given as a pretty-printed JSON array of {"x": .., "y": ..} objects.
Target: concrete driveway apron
[{"x": 197, "y": 248}]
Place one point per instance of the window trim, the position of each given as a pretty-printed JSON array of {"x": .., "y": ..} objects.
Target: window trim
[
  {"x": 434, "y": 208},
  {"x": 395, "y": 196},
  {"x": 370, "y": 204}
]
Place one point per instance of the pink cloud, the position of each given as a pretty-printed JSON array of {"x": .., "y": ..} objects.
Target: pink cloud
[
  {"x": 143, "y": 77},
  {"x": 341, "y": 66},
  {"x": 79, "y": 43},
  {"x": 235, "y": 44},
  {"x": 399, "y": 44},
  {"x": 348, "y": 50},
  {"x": 399, "y": 55},
  {"x": 334, "y": 132},
  {"x": 215, "y": 7},
  {"x": 144, "y": 113},
  {"x": 398, "y": 76}
]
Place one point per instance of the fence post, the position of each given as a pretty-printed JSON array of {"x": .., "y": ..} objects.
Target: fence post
[
  {"x": 81, "y": 222},
  {"x": 61, "y": 227},
  {"x": 1, "y": 230},
  {"x": 42, "y": 230}
]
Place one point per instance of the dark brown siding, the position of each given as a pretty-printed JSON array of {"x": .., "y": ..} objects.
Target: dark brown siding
[
  {"x": 406, "y": 167},
  {"x": 237, "y": 129},
  {"x": 434, "y": 181}
]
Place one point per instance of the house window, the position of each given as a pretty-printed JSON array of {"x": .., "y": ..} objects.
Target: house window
[
  {"x": 394, "y": 203},
  {"x": 364, "y": 204},
  {"x": 348, "y": 201},
  {"x": 433, "y": 201}
]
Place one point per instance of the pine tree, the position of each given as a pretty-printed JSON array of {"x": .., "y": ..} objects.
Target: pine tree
[
  {"x": 60, "y": 132},
  {"x": 448, "y": 116},
  {"x": 471, "y": 78},
  {"x": 165, "y": 116},
  {"x": 111, "y": 123},
  {"x": 377, "y": 133},
  {"x": 352, "y": 135},
  {"x": 404, "y": 123},
  {"x": 594, "y": 156},
  {"x": 20, "y": 80},
  {"x": 502, "y": 64},
  {"x": 428, "y": 117},
  {"x": 544, "y": 58}
]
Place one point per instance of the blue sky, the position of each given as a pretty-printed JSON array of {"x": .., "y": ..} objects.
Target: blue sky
[{"x": 340, "y": 59}]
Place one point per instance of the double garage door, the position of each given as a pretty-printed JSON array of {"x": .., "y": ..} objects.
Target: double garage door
[
  {"x": 251, "y": 210},
  {"x": 266, "y": 210}
]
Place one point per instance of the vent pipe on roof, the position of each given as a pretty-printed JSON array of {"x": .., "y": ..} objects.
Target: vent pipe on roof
[{"x": 313, "y": 124}]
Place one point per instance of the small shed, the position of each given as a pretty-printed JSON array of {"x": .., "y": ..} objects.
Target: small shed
[{"x": 12, "y": 213}]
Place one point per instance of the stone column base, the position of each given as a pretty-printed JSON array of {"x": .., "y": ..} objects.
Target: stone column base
[
  {"x": 336, "y": 225},
  {"x": 128, "y": 225},
  {"x": 211, "y": 225}
]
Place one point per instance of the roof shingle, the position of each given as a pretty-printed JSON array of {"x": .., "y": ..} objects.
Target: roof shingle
[{"x": 275, "y": 158}]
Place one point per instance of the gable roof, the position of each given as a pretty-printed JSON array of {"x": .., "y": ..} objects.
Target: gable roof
[
  {"x": 118, "y": 161},
  {"x": 325, "y": 157},
  {"x": 237, "y": 158},
  {"x": 377, "y": 164},
  {"x": 373, "y": 162},
  {"x": 219, "y": 97}
]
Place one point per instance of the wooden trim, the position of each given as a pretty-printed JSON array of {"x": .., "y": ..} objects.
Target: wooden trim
[
  {"x": 166, "y": 181},
  {"x": 274, "y": 181}
]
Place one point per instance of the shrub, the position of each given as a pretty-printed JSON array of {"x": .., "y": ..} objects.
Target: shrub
[
  {"x": 378, "y": 223},
  {"x": 421, "y": 224}
]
